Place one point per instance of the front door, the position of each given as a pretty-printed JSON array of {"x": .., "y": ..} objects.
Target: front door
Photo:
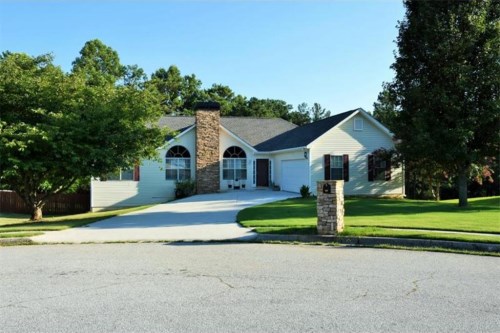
[{"x": 263, "y": 172}]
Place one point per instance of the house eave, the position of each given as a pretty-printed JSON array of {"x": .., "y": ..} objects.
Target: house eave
[
  {"x": 176, "y": 137},
  {"x": 282, "y": 150}
]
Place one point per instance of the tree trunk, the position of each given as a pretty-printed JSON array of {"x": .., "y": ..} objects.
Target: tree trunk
[
  {"x": 36, "y": 213},
  {"x": 462, "y": 188}
]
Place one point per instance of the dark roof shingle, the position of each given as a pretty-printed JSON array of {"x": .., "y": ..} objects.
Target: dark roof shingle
[
  {"x": 303, "y": 135},
  {"x": 265, "y": 134},
  {"x": 251, "y": 130}
]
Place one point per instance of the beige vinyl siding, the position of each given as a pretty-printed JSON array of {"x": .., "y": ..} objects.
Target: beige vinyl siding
[
  {"x": 357, "y": 144},
  {"x": 152, "y": 186}
]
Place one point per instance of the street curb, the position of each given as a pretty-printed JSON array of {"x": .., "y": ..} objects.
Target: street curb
[{"x": 372, "y": 241}]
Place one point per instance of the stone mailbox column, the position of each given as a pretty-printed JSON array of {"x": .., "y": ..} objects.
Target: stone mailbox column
[{"x": 330, "y": 207}]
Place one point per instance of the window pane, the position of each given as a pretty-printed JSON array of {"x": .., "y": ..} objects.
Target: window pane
[
  {"x": 185, "y": 163},
  {"x": 228, "y": 163},
  {"x": 128, "y": 174},
  {"x": 337, "y": 161},
  {"x": 380, "y": 163},
  {"x": 241, "y": 174},
  {"x": 337, "y": 173},
  {"x": 113, "y": 176},
  {"x": 243, "y": 164},
  {"x": 228, "y": 174},
  {"x": 169, "y": 163},
  {"x": 184, "y": 174},
  {"x": 171, "y": 174},
  {"x": 379, "y": 174}
]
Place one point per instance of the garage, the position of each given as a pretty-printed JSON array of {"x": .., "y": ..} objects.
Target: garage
[{"x": 294, "y": 174}]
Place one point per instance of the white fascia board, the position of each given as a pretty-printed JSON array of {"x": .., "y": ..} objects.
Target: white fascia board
[
  {"x": 234, "y": 136},
  {"x": 176, "y": 137},
  {"x": 281, "y": 150}
]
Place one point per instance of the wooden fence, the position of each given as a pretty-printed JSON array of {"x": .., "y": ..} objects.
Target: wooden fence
[{"x": 75, "y": 203}]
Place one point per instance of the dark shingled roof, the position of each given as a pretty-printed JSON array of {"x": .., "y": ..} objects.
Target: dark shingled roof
[
  {"x": 265, "y": 134},
  {"x": 251, "y": 130},
  {"x": 303, "y": 135}
]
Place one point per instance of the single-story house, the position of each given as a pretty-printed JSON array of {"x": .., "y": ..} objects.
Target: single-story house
[{"x": 244, "y": 153}]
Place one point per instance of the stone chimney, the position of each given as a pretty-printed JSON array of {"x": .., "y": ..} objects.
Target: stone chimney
[{"x": 207, "y": 147}]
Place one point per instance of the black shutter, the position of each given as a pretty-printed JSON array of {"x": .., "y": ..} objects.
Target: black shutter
[
  {"x": 327, "y": 159},
  {"x": 345, "y": 159},
  {"x": 388, "y": 170},
  {"x": 371, "y": 168}
]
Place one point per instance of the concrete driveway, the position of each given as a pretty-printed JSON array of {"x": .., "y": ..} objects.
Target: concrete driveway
[{"x": 200, "y": 217}]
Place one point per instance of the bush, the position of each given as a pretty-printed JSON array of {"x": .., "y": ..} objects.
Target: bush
[
  {"x": 304, "y": 191},
  {"x": 185, "y": 188}
]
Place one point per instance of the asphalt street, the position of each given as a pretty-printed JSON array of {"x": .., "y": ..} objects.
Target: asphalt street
[{"x": 208, "y": 287}]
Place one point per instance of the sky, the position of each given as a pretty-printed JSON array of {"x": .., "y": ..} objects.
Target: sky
[{"x": 336, "y": 53}]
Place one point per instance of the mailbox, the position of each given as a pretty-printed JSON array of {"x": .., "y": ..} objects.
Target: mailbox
[{"x": 327, "y": 188}]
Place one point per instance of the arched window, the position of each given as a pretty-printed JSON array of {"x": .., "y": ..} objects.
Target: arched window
[
  {"x": 234, "y": 164},
  {"x": 178, "y": 164}
]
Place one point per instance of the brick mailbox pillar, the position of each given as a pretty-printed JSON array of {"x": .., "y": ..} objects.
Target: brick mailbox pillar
[{"x": 330, "y": 207}]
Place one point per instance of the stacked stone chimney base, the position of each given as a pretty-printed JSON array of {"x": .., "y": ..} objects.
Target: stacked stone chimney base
[{"x": 207, "y": 151}]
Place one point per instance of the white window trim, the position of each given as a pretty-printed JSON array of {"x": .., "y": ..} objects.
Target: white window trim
[
  {"x": 244, "y": 163},
  {"x": 177, "y": 169},
  {"x": 120, "y": 176},
  {"x": 333, "y": 167}
]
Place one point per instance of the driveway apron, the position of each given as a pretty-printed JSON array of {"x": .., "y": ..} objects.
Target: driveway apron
[{"x": 201, "y": 217}]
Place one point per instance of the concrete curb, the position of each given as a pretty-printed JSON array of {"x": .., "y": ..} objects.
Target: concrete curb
[{"x": 372, "y": 241}]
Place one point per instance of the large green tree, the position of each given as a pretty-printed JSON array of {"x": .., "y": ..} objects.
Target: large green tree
[
  {"x": 56, "y": 127},
  {"x": 448, "y": 84},
  {"x": 99, "y": 62},
  {"x": 180, "y": 93}
]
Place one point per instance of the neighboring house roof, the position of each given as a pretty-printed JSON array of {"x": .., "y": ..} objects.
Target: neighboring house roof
[
  {"x": 251, "y": 130},
  {"x": 303, "y": 135}
]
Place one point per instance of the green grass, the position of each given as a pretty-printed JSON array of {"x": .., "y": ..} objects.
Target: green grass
[
  {"x": 380, "y": 217},
  {"x": 20, "y": 234},
  {"x": 18, "y": 225}
]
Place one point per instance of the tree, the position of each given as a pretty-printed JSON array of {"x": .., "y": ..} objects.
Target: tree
[
  {"x": 301, "y": 116},
  {"x": 99, "y": 62},
  {"x": 56, "y": 128},
  {"x": 180, "y": 93},
  {"x": 385, "y": 108},
  {"x": 448, "y": 84},
  {"x": 134, "y": 76},
  {"x": 170, "y": 84},
  {"x": 318, "y": 112},
  {"x": 222, "y": 95}
]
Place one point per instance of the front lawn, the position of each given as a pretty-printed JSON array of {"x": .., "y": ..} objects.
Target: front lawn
[
  {"x": 18, "y": 225},
  {"x": 383, "y": 217}
]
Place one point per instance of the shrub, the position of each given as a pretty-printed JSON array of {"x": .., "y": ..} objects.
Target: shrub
[
  {"x": 185, "y": 188},
  {"x": 304, "y": 191}
]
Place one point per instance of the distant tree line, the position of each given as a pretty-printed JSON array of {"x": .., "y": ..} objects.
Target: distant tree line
[{"x": 180, "y": 93}]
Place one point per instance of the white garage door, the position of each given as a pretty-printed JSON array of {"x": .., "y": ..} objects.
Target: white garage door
[{"x": 294, "y": 174}]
